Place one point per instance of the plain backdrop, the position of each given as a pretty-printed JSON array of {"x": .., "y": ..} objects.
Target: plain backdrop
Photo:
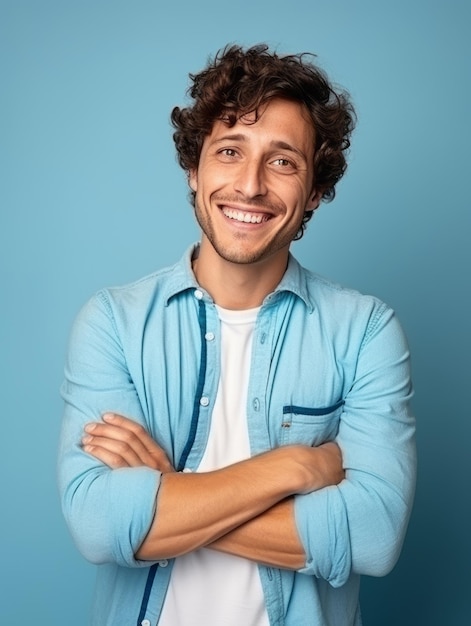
[{"x": 91, "y": 196}]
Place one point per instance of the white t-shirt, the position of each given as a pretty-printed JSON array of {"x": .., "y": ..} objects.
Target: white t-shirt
[{"x": 209, "y": 588}]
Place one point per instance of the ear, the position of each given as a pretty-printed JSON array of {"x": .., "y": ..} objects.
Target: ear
[
  {"x": 193, "y": 179},
  {"x": 314, "y": 200}
]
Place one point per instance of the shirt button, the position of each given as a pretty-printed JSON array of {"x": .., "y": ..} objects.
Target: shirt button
[
  {"x": 145, "y": 622},
  {"x": 209, "y": 336},
  {"x": 198, "y": 294},
  {"x": 187, "y": 470},
  {"x": 204, "y": 401},
  {"x": 162, "y": 563},
  {"x": 256, "y": 404}
]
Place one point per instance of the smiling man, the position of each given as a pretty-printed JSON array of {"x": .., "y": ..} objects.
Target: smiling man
[
  {"x": 237, "y": 444},
  {"x": 254, "y": 183}
]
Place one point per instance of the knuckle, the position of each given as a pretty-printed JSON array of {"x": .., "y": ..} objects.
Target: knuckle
[
  {"x": 122, "y": 446},
  {"x": 117, "y": 461},
  {"x": 139, "y": 429},
  {"x": 135, "y": 429},
  {"x": 128, "y": 437}
]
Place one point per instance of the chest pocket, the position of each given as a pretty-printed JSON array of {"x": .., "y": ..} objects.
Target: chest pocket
[{"x": 310, "y": 425}]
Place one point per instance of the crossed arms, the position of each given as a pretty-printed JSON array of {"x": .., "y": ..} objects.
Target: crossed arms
[
  {"x": 244, "y": 509},
  {"x": 124, "y": 504}
]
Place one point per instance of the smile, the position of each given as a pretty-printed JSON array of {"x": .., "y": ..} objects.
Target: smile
[{"x": 245, "y": 216}]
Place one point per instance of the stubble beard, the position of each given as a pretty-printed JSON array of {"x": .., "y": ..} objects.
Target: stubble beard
[{"x": 236, "y": 254}]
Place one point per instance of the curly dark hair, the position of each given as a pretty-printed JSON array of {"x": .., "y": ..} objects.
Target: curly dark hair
[{"x": 238, "y": 81}]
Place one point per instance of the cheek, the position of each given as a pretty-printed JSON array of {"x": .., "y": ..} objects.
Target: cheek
[
  {"x": 214, "y": 182},
  {"x": 296, "y": 197}
]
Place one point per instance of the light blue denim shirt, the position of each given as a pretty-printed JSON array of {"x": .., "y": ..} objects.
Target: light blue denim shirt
[{"x": 328, "y": 363}]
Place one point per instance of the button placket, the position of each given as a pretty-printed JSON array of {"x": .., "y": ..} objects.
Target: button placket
[{"x": 210, "y": 337}]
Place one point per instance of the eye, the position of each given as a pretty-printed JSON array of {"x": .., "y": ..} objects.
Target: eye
[
  {"x": 283, "y": 163},
  {"x": 229, "y": 153}
]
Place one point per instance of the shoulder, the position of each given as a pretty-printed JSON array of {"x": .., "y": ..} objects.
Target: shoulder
[
  {"x": 138, "y": 292},
  {"x": 125, "y": 308},
  {"x": 154, "y": 289},
  {"x": 324, "y": 295},
  {"x": 330, "y": 295},
  {"x": 349, "y": 313},
  {"x": 356, "y": 323}
]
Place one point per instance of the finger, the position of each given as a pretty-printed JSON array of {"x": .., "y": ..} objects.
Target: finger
[
  {"x": 132, "y": 427},
  {"x": 118, "y": 452},
  {"x": 122, "y": 442},
  {"x": 112, "y": 460},
  {"x": 142, "y": 438},
  {"x": 140, "y": 443}
]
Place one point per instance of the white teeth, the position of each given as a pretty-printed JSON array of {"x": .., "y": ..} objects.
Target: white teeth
[{"x": 240, "y": 216}]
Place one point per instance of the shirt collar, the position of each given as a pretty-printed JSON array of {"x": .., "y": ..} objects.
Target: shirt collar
[
  {"x": 181, "y": 275},
  {"x": 295, "y": 281},
  {"x": 182, "y": 278}
]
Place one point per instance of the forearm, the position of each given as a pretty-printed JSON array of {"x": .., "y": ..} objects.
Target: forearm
[
  {"x": 194, "y": 510},
  {"x": 269, "y": 539}
]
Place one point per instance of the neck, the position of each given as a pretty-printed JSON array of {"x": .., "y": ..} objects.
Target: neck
[{"x": 238, "y": 286}]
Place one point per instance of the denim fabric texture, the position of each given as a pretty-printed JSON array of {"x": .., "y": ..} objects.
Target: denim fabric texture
[{"x": 328, "y": 364}]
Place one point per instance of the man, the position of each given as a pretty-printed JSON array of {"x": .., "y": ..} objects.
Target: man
[{"x": 237, "y": 445}]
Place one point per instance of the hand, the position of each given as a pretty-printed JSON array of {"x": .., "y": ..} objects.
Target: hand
[
  {"x": 331, "y": 463},
  {"x": 320, "y": 466},
  {"x": 120, "y": 442}
]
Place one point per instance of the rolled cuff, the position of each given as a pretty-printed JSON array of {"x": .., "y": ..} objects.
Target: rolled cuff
[
  {"x": 110, "y": 512},
  {"x": 322, "y": 525}
]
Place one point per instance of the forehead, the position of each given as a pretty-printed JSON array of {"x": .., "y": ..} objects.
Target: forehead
[{"x": 278, "y": 120}]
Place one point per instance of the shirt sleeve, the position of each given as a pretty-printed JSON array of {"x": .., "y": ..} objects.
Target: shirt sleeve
[
  {"x": 107, "y": 511},
  {"x": 359, "y": 525}
]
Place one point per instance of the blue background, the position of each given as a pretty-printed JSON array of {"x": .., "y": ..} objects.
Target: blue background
[{"x": 91, "y": 195}]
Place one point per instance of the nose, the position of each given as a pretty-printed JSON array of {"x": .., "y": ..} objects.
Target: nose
[{"x": 250, "y": 180}]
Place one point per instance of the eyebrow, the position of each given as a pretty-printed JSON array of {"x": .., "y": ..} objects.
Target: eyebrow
[{"x": 275, "y": 144}]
